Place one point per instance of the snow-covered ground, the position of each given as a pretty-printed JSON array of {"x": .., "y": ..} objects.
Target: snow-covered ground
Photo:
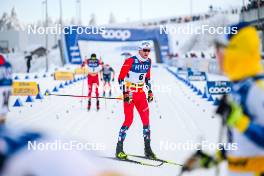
[{"x": 177, "y": 116}]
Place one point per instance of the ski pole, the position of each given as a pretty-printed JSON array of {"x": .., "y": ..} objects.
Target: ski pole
[
  {"x": 82, "y": 87},
  {"x": 222, "y": 130},
  {"x": 220, "y": 139},
  {"x": 83, "y": 96}
]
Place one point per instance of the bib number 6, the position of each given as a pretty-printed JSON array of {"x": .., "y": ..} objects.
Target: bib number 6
[{"x": 141, "y": 76}]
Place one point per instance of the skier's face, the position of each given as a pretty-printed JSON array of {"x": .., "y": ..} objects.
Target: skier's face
[{"x": 144, "y": 53}]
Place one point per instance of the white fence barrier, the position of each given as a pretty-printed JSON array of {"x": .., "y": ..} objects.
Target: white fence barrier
[{"x": 198, "y": 64}]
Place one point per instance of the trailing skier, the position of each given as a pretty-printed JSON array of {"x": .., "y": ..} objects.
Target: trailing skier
[{"x": 94, "y": 67}]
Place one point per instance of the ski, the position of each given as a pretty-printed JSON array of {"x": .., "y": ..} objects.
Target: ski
[
  {"x": 135, "y": 162},
  {"x": 157, "y": 159}
]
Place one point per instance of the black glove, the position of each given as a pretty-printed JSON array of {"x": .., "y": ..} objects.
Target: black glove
[
  {"x": 127, "y": 97},
  {"x": 113, "y": 79},
  {"x": 150, "y": 96},
  {"x": 224, "y": 109}
]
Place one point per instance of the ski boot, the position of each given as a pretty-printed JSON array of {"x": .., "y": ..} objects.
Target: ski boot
[
  {"x": 97, "y": 105},
  {"x": 148, "y": 152},
  {"x": 89, "y": 105},
  {"x": 104, "y": 94},
  {"x": 110, "y": 93},
  {"x": 120, "y": 154}
]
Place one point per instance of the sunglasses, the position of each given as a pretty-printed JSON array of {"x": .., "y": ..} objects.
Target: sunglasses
[{"x": 146, "y": 50}]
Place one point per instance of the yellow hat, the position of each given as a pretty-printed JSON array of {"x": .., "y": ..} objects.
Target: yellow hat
[{"x": 242, "y": 55}]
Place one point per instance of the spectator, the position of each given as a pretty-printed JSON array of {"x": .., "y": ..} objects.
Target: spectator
[
  {"x": 202, "y": 55},
  {"x": 28, "y": 58},
  {"x": 253, "y": 4}
]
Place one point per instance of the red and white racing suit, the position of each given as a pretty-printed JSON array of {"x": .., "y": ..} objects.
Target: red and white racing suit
[
  {"x": 94, "y": 67},
  {"x": 134, "y": 74}
]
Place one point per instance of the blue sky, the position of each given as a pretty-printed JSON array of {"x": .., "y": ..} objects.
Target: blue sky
[{"x": 32, "y": 10}]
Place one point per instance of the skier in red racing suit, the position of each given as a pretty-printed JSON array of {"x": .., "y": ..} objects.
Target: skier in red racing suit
[
  {"x": 94, "y": 67},
  {"x": 134, "y": 74}
]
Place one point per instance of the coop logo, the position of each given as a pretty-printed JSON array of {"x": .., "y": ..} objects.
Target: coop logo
[
  {"x": 219, "y": 90},
  {"x": 116, "y": 34},
  {"x": 196, "y": 76},
  {"x": 219, "y": 87}
]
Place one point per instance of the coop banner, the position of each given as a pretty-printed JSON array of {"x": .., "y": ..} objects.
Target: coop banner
[
  {"x": 73, "y": 34},
  {"x": 219, "y": 87},
  {"x": 196, "y": 76}
]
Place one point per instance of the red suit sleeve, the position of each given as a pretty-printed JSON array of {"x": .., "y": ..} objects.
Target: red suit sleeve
[{"x": 125, "y": 68}]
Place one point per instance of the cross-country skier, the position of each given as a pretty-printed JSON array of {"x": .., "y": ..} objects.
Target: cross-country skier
[
  {"x": 134, "y": 74},
  {"x": 242, "y": 112},
  {"x": 106, "y": 74},
  {"x": 94, "y": 67}
]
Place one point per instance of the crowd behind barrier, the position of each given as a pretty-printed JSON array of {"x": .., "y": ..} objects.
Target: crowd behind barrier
[
  {"x": 253, "y": 4},
  {"x": 185, "y": 19}
]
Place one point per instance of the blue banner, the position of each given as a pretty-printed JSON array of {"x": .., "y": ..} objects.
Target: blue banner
[
  {"x": 219, "y": 87},
  {"x": 197, "y": 76},
  {"x": 75, "y": 33},
  {"x": 182, "y": 71}
]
